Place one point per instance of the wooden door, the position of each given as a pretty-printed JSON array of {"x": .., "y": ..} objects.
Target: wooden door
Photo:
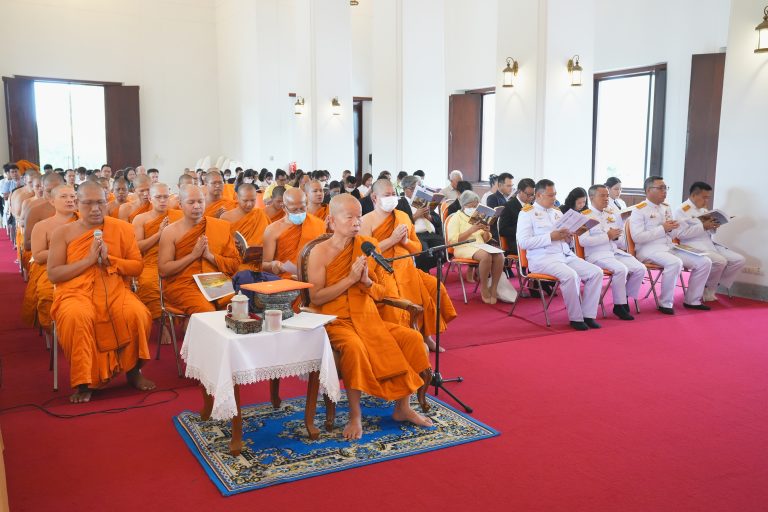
[
  {"x": 21, "y": 119},
  {"x": 465, "y": 121},
  {"x": 704, "y": 103},
  {"x": 121, "y": 113}
]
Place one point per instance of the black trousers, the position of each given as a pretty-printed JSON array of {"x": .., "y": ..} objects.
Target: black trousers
[{"x": 426, "y": 262}]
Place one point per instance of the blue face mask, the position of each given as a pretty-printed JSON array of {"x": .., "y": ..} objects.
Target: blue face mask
[{"x": 297, "y": 218}]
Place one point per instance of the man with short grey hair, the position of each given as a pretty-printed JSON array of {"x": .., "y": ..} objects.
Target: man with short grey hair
[{"x": 451, "y": 192}]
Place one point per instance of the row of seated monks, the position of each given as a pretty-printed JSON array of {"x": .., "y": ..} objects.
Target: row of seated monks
[{"x": 87, "y": 249}]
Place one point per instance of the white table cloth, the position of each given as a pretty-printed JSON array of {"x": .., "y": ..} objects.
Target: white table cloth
[{"x": 219, "y": 358}]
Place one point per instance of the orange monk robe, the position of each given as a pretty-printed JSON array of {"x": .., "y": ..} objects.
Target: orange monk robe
[
  {"x": 229, "y": 192},
  {"x": 25, "y": 165},
  {"x": 377, "y": 357},
  {"x": 251, "y": 226},
  {"x": 279, "y": 215},
  {"x": 146, "y": 207},
  {"x": 101, "y": 325},
  {"x": 110, "y": 197},
  {"x": 115, "y": 213},
  {"x": 148, "y": 283},
  {"x": 44, "y": 300},
  {"x": 321, "y": 212},
  {"x": 212, "y": 209},
  {"x": 29, "y": 303},
  {"x": 180, "y": 290},
  {"x": 292, "y": 240},
  {"x": 413, "y": 284}
]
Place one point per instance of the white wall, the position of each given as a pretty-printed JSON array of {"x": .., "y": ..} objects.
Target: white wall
[
  {"x": 659, "y": 31},
  {"x": 742, "y": 172},
  {"x": 168, "y": 48},
  {"x": 362, "y": 49},
  {"x": 470, "y": 42}
]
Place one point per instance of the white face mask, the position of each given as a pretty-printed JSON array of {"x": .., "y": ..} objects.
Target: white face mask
[
  {"x": 469, "y": 211},
  {"x": 247, "y": 180},
  {"x": 388, "y": 203}
]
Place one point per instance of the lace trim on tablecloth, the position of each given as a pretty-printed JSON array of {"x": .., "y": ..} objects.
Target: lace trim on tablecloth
[
  {"x": 275, "y": 372},
  {"x": 224, "y": 408}
]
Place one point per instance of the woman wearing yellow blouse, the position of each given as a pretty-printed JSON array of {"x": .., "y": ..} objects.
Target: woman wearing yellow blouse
[{"x": 459, "y": 229}]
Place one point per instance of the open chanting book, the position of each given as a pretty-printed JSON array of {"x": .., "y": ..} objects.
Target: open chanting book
[
  {"x": 424, "y": 197},
  {"x": 575, "y": 222},
  {"x": 214, "y": 285},
  {"x": 626, "y": 212},
  {"x": 718, "y": 216},
  {"x": 485, "y": 214},
  {"x": 252, "y": 254},
  {"x": 690, "y": 250}
]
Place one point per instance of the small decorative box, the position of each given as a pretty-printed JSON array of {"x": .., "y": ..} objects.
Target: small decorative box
[{"x": 250, "y": 326}]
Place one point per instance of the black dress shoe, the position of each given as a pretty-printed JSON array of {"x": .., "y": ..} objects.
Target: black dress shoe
[
  {"x": 622, "y": 312},
  {"x": 579, "y": 326},
  {"x": 666, "y": 311},
  {"x": 591, "y": 323},
  {"x": 626, "y": 307},
  {"x": 702, "y": 307}
]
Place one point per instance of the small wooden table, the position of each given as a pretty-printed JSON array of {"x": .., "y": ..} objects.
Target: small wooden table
[{"x": 223, "y": 360}]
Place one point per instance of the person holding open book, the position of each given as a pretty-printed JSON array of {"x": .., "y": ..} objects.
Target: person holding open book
[
  {"x": 539, "y": 232},
  {"x": 698, "y": 226},
  {"x": 461, "y": 226},
  {"x": 652, "y": 228}
]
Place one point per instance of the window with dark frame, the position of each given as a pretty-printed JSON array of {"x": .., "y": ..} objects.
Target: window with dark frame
[{"x": 628, "y": 125}]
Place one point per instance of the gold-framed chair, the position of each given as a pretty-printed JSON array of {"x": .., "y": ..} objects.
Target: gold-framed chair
[
  {"x": 537, "y": 280},
  {"x": 171, "y": 314},
  {"x": 414, "y": 310}
]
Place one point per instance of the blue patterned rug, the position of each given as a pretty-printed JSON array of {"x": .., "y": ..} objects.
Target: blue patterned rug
[{"x": 277, "y": 449}]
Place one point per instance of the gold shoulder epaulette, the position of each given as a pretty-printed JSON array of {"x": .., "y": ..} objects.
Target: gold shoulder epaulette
[
  {"x": 527, "y": 207},
  {"x": 641, "y": 205},
  {"x": 686, "y": 207},
  {"x": 586, "y": 211}
]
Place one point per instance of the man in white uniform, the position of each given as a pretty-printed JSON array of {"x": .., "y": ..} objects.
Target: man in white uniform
[
  {"x": 600, "y": 248},
  {"x": 548, "y": 253},
  {"x": 653, "y": 228},
  {"x": 698, "y": 233}
]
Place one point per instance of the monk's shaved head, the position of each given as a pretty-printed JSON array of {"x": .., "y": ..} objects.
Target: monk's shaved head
[
  {"x": 341, "y": 202},
  {"x": 382, "y": 186},
  {"x": 31, "y": 175},
  {"x": 62, "y": 189},
  {"x": 246, "y": 197},
  {"x": 120, "y": 182},
  {"x": 213, "y": 175},
  {"x": 186, "y": 179},
  {"x": 158, "y": 187},
  {"x": 89, "y": 186},
  {"x": 245, "y": 187},
  {"x": 53, "y": 179},
  {"x": 142, "y": 180},
  {"x": 278, "y": 192},
  {"x": 187, "y": 191},
  {"x": 345, "y": 215},
  {"x": 294, "y": 197}
]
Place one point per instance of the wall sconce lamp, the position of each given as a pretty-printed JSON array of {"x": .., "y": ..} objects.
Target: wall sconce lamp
[
  {"x": 574, "y": 69},
  {"x": 510, "y": 72},
  {"x": 353, "y": 2},
  {"x": 298, "y": 107},
  {"x": 762, "y": 34},
  {"x": 335, "y": 106}
]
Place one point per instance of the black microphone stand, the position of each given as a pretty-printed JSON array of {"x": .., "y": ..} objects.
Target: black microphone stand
[{"x": 438, "y": 252}]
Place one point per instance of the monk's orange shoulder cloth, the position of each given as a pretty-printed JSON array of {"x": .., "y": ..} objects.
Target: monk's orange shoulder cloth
[
  {"x": 292, "y": 240},
  {"x": 101, "y": 325},
  {"x": 229, "y": 192},
  {"x": 213, "y": 208},
  {"x": 380, "y": 369},
  {"x": 279, "y": 215},
  {"x": 148, "y": 287},
  {"x": 29, "y": 303},
  {"x": 141, "y": 209},
  {"x": 321, "y": 212},
  {"x": 153, "y": 226}
]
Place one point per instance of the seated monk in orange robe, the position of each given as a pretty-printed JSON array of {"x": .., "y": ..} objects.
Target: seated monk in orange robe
[
  {"x": 396, "y": 236},
  {"x": 284, "y": 239},
  {"x": 249, "y": 221},
  {"x": 215, "y": 203},
  {"x": 194, "y": 245},
  {"x": 65, "y": 205},
  {"x": 101, "y": 325},
  {"x": 148, "y": 228},
  {"x": 274, "y": 205},
  {"x": 120, "y": 193},
  {"x": 315, "y": 196},
  {"x": 377, "y": 357},
  {"x": 106, "y": 185},
  {"x": 173, "y": 201},
  {"x": 141, "y": 204},
  {"x": 229, "y": 192},
  {"x": 40, "y": 209},
  {"x": 26, "y": 254},
  {"x": 18, "y": 196}
]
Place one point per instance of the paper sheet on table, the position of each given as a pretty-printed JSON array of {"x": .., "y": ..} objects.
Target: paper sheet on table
[{"x": 306, "y": 321}]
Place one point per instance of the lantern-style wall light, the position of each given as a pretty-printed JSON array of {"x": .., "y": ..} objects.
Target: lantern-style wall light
[
  {"x": 510, "y": 72},
  {"x": 298, "y": 107},
  {"x": 762, "y": 33},
  {"x": 335, "y": 106},
  {"x": 574, "y": 69}
]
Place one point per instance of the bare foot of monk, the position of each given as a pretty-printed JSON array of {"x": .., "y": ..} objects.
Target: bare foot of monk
[
  {"x": 139, "y": 381},
  {"x": 354, "y": 429},
  {"x": 165, "y": 339},
  {"x": 403, "y": 412},
  {"x": 82, "y": 395},
  {"x": 431, "y": 344}
]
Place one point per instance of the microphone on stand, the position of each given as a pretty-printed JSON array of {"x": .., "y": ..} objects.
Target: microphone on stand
[
  {"x": 370, "y": 250},
  {"x": 97, "y": 235}
]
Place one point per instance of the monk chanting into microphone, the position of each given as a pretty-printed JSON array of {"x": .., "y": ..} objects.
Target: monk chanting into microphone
[
  {"x": 377, "y": 357},
  {"x": 284, "y": 239},
  {"x": 148, "y": 228},
  {"x": 196, "y": 244},
  {"x": 64, "y": 203},
  {"x": 249, "y": 221},
  {"x": 215, "y": 203},
  {"x": 120, "y": 191},
  {"x": 141, "y": 204},
  {"x": 396, "y": 236},
  {"x": 102, "y": 326}
]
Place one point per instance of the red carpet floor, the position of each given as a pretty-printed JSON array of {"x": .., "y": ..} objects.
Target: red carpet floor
[{"x": 663, "y": 414}]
